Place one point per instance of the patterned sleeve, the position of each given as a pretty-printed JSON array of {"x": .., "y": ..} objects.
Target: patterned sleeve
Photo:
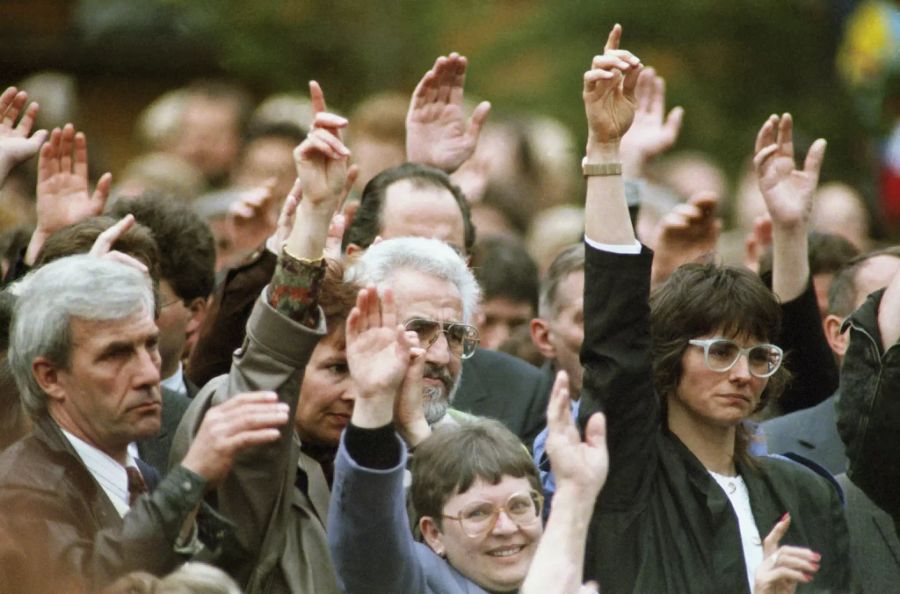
[{"x": 294, "y": 290}]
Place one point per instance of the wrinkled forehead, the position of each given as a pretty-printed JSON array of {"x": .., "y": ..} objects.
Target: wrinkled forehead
[{"x": 422, "y": 295}]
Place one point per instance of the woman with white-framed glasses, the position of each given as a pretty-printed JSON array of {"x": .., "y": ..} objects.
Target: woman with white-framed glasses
[{"x": 686, "y": 507}]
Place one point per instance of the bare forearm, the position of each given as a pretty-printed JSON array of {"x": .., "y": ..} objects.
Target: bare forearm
[
  {"x": 559, "y": 560},
  {"x": 606, "y": 211},
  {"x": 790, "y": 261}
]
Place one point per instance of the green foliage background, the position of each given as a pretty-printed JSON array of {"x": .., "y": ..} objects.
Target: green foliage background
[{"x": 729, "y": 63}]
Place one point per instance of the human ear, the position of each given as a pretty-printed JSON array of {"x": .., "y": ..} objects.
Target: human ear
[
  {"x": 540, "y": 336},
  {"x": 48, "y": 378},
  {"x": 837, "y": 341},
  {"x": 432, "y": 535}
]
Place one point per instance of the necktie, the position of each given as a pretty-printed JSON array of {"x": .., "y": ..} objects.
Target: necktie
[{"x": 136, "y": 484}]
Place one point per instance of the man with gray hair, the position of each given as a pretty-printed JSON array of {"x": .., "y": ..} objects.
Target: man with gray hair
[
  {"x": 436, "y": 296},
  {"x": 84, "y": 354}
]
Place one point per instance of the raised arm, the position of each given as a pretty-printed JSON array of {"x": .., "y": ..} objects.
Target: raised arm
[
  {"x": 652, "y": 132},
  {"x": 788, "y": 193},
  {"x": 63, "y": 196},
  {"x": 368, "y": 527},
  {"x": 437, "y": 132},
  {"x": 17, "y": 143},
  {"x": 580, "y": 468}
]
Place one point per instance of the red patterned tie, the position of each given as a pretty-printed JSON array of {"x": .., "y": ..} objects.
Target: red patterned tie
[{"x": 136, "y": 484}]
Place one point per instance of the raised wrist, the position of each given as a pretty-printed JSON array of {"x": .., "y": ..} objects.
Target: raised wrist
[{"x": 602, "y": 152}]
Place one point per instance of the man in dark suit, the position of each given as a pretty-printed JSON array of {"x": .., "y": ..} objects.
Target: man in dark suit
[
  {"x": 155, "y": 450},
  {"x": 72, "y": 497},
  {"x": 813, "y": 432}
]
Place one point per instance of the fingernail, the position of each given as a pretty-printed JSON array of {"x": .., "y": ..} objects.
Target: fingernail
[
  {"x": 817, "y": 556},
  {"x": 786, "y": 516}
]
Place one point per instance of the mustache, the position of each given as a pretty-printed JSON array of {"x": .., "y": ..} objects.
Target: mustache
[{"x": 439, "y": 372}]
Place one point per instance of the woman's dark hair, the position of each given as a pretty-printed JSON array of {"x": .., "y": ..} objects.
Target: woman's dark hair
[
  {"x": 699, "y": 299},
  {"x": 453, "y": 458}
]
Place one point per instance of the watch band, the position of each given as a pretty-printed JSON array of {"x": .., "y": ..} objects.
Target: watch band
[{"x": 592, "y": 169}]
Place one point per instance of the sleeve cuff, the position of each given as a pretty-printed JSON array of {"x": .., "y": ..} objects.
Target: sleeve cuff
[
  {"x": 631, "y": 249},
  {"x": 373, "y": 448}
]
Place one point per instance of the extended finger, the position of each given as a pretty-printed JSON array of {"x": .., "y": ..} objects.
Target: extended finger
[
  {"x": 6, "y": 98},
  {"x": 658, "y": 103},
  {"x": 766, "y": 134},
  {"x": 814, "y": 157},
  {"x": 631, "y": 78},
  {"x": 316, "y": 97},
  {"x": 770, "y": 543},
  {"x": 48, "y": 164},
  {"x": 67, "y": 140},
  {"x": 27, "y": 121},
  {"x": 786, "y": 135},
  {"x": 615, "y": 36},
  {"x": 760, "y": 158},
  {"x": 479, "y": 117},
  {"x": 644, "y": 89},
  {"x": 673, "y": 121},
  {"x": 458, "y": 83},
  {"x": 14, "y": 108},
  {"x": 81, "y": 156},
  {"x": 447, "y": 73},
  {"x": 558, "y": 409},
  {"x": 388, "y": 309},
  {"x": 108, "y": 238},
  {"x": 101, "y": 192},
  {"x": 373, "y": 307},
  {"x": 123, "y": 258},
  {"x": 247, "y": 398}
]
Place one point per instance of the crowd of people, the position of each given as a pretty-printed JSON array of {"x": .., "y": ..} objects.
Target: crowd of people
[{"x": 350, "y": 356}]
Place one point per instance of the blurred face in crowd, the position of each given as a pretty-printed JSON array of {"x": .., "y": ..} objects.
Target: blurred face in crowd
[
  {"x": 496, "y": 558},
  {"x": 209, "y": 137},
  {"x": 420, "y": 296},
  {"x": 176, "y": 322},
  {"x": 327, "y": 393},
  {"x": 265, "y": 158},
  {"x": 429, "y": 211},
  {"x": 559, "y": 338},
  {"x": 500, "y": 316},
  {"x": 108, "y": 395}
]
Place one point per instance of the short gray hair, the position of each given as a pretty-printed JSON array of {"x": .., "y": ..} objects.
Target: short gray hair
[
  {"x": 83, "y": 287},
  {"x": 568, "y": 261},
  {"x": 426, "y": 256}
]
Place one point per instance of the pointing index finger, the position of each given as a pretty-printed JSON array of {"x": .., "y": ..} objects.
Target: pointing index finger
[
  {"x": 612, "y": 42},
  {"x": 317, "y": 97}
]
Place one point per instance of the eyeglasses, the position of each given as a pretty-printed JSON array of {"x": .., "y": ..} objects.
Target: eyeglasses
[
  {"x": 721, "y": 354},
  {"x": 480, "y": 517},
  {"x": 461, "y": 338}
]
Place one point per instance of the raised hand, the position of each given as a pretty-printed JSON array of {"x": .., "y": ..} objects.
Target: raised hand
[
  {"x": 652, "y": 132},
  {"x": 322, "y": 159},
  {"x": 63, "y": 197},
  {"x": 409, "y": 408},
  {"x": 575, "y": 462},
  {"x": 437, "y": 133},
  {"x": 379, "y": 350},
  {"x": 783, "y": 567},
  {"x": 685, "y": 234},
  {"x": 17, "y": 144},
  {"x": 251, "y": 218},
  {"x": 103, "y": 245},
  {"x": 788, "y": 191},
  {"x": 609, "y": 91},
  {"x": 247, "y": 420}
]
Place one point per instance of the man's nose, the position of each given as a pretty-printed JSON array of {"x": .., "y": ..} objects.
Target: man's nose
[
  {"x": 439, "y": 351},
  {"x": 148, "y": 363}
]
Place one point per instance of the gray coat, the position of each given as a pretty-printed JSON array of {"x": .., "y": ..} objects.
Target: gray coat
[
  {"x": 280, "y": 528},
  {"x": 812, "y": 433}
]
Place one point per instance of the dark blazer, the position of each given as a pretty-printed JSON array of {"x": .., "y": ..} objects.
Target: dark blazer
[
  {"x": 662, "y": 523},
  {"x": 155, "y": 450},
  {"x": 874, "y": 546},
  {"x": 812, "y": 433},
  {"x": 67, "y": 528},
  {"x": 505, "y": 388}
]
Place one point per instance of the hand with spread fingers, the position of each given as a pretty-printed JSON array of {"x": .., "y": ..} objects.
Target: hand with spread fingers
[
  {"x": 652, "y": 132},
  {"x": 17, "y": 143},
  {"x": 437, "y": 133},
  {"x": 63, "y": 196},
  {"x": 686, "y": 234},
  {"x": 379, "y": 354},
  {"x": 788, "y": 191},
  {"x": 584, "y": 464},
  {"x": 609, "y": 92},
  {"x": 784, "y": 566}
]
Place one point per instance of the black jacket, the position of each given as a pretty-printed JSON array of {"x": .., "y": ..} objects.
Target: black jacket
[{"x": 662, "y": 523}]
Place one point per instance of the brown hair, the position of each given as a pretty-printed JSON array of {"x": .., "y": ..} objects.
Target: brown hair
[
  {"x": 454, "y": 457},
  {"x": 702, "y": 298},
  {"x": 137, "y": 242}
]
